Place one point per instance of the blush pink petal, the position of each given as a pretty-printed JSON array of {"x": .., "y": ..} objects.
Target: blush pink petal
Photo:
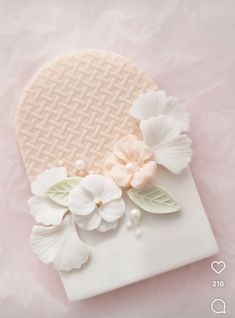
[
  {"x": 144, "y": 175},
  {"x": 110, "y": 162},
  {"x": 129, "y": 148},
  {"x": 143, "y": 152},
  {"x": 121, "y": 176},
  {"x": 131, "y": 163},
  {"x": 123, "y": 148}
]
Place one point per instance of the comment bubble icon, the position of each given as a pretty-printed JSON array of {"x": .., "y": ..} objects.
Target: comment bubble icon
[{"x": 218, "y": 306}]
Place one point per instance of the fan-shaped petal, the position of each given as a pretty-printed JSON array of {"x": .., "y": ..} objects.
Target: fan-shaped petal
[
  {"x": 159, "y": 130},
  {"x": 172, "y": 149},
  {"x": 46, "y": 211},
  {"x": 175, "y": 110},
  {"x": 155, "y": 103},
  {"x": 59, "y": 245},
  {"x": 176, "y": 154},
  {"x": 48, "y": 178},
  {"x": 148, "y": 104}
]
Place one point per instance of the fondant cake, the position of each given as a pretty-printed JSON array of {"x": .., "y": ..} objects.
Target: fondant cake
[{"x": 107, "y": 155}]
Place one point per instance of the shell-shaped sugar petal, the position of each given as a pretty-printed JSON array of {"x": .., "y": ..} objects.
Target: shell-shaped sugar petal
[
  {"x": 48, "y": 178},
  {"x": 159, "y": 130},
  {"x": 174, "y": 109},
  {"x": 46, "y": 211},
  {"x": 148, "y": 104},
  {"x": 155, "y": 103},
  {"x": 59, "y": 245},
  {"x": 176, "y": 154},
  {"x": 172, "y": 149}
]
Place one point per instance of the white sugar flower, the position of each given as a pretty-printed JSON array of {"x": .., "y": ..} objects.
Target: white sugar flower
[
  {"x": 172, "y": 149},
  {"x": 45, "y": 210},
  {"x": 56, "y": 240},
  {"x": 96, "y": 203},
  {"x": 154, "y": 103}
]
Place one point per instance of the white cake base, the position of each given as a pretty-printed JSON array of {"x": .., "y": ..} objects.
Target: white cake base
[{"x": 119, "y": 258}]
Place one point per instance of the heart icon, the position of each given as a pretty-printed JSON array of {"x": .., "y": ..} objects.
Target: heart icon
[{"x": 218, "y": 266}]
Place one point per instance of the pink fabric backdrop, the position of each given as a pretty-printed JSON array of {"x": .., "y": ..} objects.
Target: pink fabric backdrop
[{"x": 188, "y": 47}]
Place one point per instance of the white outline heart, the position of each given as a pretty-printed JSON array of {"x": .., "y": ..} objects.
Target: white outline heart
[{"x": 218, "y": 263}]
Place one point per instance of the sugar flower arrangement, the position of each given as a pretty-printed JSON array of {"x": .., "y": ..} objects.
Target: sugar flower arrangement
[{"x": 63, "y": 205}]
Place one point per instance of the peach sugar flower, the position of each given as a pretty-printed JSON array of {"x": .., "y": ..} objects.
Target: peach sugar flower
[{"x": 131, "y": 164}]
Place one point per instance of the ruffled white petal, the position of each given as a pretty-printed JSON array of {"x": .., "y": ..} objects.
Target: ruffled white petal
[
  {"x": 101, "y": 187},
  {"x": 81, "y": 201},
  {"x": 88, "y": 222},
  {"x": 155, "y": 103},
  {"x": 93, "y": 183},
  {"x": 46, "y": 211},
  {"x": 111, "y": 191},
  {"x": 48, "y": 178},
  {"x": 59, "y": 245},
  {"x": 112, "y": 210},
  {"x": 172, "y": 150},
  {"x": 105, "y": 226}
]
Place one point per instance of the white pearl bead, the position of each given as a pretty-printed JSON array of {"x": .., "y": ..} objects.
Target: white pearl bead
[
  {"x": 129, "y": 225},
  {"x": 129, "y": 165},
  {"x": 60, "y": 163},
  {"x": 135, "y": 213},
  {"x": 80, "y": 165},
  {"x": 138, "y": 232}
]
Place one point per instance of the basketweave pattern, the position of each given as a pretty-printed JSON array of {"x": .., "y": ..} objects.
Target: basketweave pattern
[{"x": 76, "y": 107}]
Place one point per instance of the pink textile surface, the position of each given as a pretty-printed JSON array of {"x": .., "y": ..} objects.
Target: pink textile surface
[{"x": 188, "y": 48}]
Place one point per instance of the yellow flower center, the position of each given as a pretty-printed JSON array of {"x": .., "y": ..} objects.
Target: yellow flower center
[{"x": 98, "y": 203}]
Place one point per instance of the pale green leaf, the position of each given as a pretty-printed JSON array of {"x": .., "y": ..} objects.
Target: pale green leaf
[
  {"x": 153, "y": 200},
  {"x": 60, "y": 191}
]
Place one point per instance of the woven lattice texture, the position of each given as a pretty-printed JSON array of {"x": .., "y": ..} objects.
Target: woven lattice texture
[{"x": 76, "y": 107}]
